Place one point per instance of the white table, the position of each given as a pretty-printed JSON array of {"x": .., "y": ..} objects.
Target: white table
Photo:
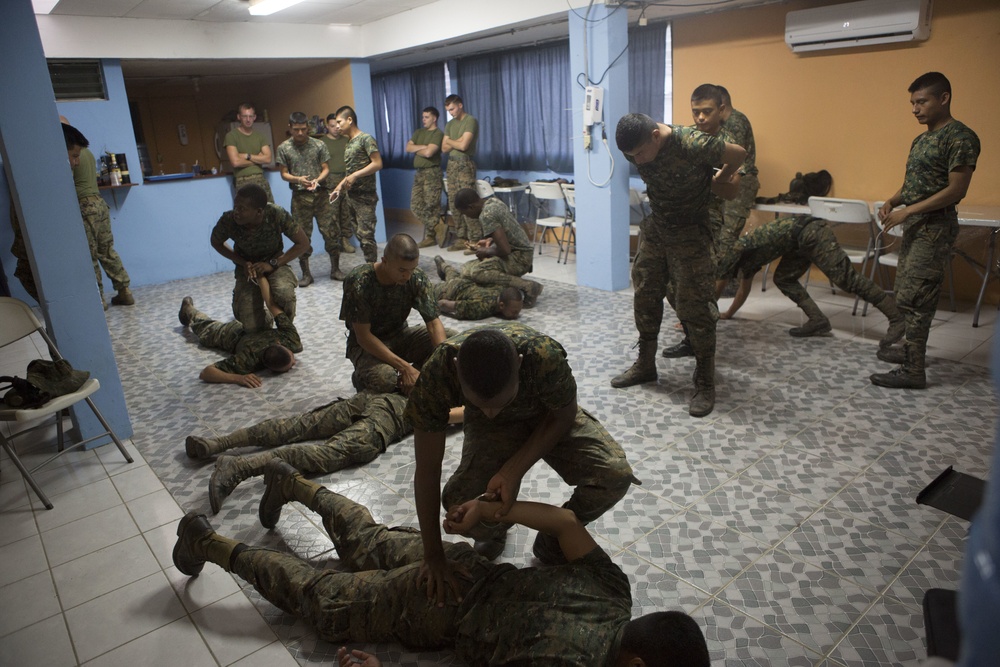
[
  {"x": 512, "y": 195},
  {"x": 988, "y": 217},
  {"x": 788, "y": 209}
]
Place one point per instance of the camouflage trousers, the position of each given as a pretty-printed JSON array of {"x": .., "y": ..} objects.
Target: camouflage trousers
[
  {"x": 674, "y": 260},
  {"x": 363, "y": 211},
  {"x": 818, "y": 245},
  {"x": 472, "y": 301},
  {"x": 586, "y": 458},
  {"x": 378, "y": 600},
  {"x": 308, "y": 205},
  {"x": 497, "y": 270},
  {"x": 425, "y": 198},
  {"x": 97, "y": 224},
  {"x": 372, "y": 374},
  {"x": 735, "y": 213},
  {"x": 923, "y": 257},
  {"x": 461, "y": 175},
  {"x": 254, "y": 179},
  {"x": 248, "y": 304},
  {"x": 217, "y": 335},
  {"x": 340, "y": 210},
  {"x": 22, "y": 271},
  {"x": 356, "y": 429}
]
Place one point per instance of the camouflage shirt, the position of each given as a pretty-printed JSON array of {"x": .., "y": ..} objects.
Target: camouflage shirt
[
  {"x": 357, "y": 156},
  {"x": 933, "y": 156},
  {"x": 761, "y": 246},
  {"x": 496, "y": 216},
  {"x": 741, "y": 133},
  {"x": 546, "y": 381},
  {"x": 571, "y": 614},
  {"x": 679, "y": 179},
  {"x": 249, "y": 355},
  {"x": 260, "y": 243},
  {"x": 305, "y": 160},
  {"x": 472, "y": 301},
  {"x": 385, "y": 307}
]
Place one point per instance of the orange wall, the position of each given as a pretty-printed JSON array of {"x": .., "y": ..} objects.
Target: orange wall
[
  {"x": 845, "y": 110},
  {"x": 319, "y": 90}
]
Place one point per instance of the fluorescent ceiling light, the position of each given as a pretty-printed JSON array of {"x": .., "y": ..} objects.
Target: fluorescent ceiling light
[{"x": 267, "y": 7}]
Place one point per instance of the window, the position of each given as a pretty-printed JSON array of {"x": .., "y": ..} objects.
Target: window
[{"x": 74, "y": 80}]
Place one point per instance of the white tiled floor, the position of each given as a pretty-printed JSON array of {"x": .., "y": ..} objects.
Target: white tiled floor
[{"x": 91, "y": 581}]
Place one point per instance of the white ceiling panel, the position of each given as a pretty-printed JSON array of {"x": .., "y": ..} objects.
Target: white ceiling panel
[
  {"x": 176, "y": 9},
  {"x": 107, "y": 8}
]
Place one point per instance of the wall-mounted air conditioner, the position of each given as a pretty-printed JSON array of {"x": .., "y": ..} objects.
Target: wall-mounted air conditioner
[{"x": 858, "y": 24}]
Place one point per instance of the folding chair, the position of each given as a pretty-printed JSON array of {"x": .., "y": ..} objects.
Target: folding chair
[
  {"x": 17, "y": 321},
  {"x": 849, "y": 212},
  {"x": 484, "y": 189},
  {"x": 638, "y": 210},
  {"x": 569, "y": 192},
  {"x": 544, "y": 194}
]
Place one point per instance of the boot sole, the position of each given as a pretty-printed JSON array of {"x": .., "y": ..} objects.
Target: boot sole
[
  {"x": 184, "y": 566},
  {"x": 810, "y": 334}
]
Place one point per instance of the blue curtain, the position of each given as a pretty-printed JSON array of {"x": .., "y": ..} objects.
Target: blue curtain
[
  {"x": 647, "y": 53},
  {"x": 398, "y": 100}
]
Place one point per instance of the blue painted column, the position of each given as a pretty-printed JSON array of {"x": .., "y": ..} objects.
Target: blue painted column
[
  {"x": 41, "y": 182},
  {"x": 602, "y": 215},
  {"x": 364, "y": 107}
]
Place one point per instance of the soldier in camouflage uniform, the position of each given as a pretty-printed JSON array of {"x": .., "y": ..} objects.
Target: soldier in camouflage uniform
[
  {"x": 363, "y": 161},
  {"x": 255, "y": 227},
  {"x": 247, "y": 150},
  {"x": 304, "y": 164},
  {"x": 461, "y": 134},
  {"x": 504, "y": 253},
  {"x": 387, "y": 353},
  {"x": 677, "y": 165},
  {"x": 336, "y": 144},
  {"x": 425, "y": 198},
  {"x": 465, "y": 300},
  {"x": 938, "y": 174},
  {"x": 22, "y": 271},
  {"x": 520, "y": 405},
  {"x": 799, "y": 242},
  {"x": 736, "y": 211},
  {"x": 273, "y": 349},
  {"x": 96, "y": 218},
  {"x": 575, "y": 614}
]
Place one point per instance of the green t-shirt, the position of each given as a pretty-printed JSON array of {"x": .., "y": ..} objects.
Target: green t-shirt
[
  {"x": 260, "y": 243},
  {"x": 425, "y": 137},
  {"x": 456, "y": 128},
  {"x": 357, "y": 156},
  {"x": 306, "y": 159},
  {"x": 336, "y": 149},
  {"x": 249, "y": 354},
  {"x": 85, "y": 175},
  {"x": 679, "y": 179},
  {"x": 252, "y": 144},
  {"x": 933, "y": 156},
  {"x": 546, "y": 381},
  {"x": 385, "y": 307}
]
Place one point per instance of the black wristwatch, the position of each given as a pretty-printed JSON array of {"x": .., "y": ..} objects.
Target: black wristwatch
[
  {"x": 249, "y": 159},
  {"x": 273, "y": 262}
]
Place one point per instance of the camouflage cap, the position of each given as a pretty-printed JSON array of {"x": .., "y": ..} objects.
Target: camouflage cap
[{"x": 56, "y": 378}]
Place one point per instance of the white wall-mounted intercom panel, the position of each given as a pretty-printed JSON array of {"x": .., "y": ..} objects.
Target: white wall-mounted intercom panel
[{"x": 593, "y": 105}]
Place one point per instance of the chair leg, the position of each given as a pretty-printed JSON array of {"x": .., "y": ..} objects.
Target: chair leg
[
  {"x": 107, "y": 427},
  {"x": 25, "y": 473},
  {"x": 60, "y": 416},
  {"x": 763, "y": 277}
]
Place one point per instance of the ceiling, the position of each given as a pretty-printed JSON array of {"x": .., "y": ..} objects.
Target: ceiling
[{"x": 341, "y": 12}]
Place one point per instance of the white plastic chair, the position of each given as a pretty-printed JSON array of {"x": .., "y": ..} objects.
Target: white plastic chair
[
  {"x": 849, "y": 212},
  {"x": 484, "y": 189},
  {"x": 16, "y": 322},
  {"x": 887, "y": 258},
  {"x": 545, "y": 194},
  {"x": 569, "y": 192},
  {"x": 638, "y": 206}
]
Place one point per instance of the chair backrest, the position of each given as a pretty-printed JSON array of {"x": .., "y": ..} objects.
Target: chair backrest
[
  {"x": 16, "y": 320},
  {"x": 840, "y": 210},
  {"x": 484, "y": 189},
  {"x": 569, "y": 192},
  {"x": 548, "y": 191}
]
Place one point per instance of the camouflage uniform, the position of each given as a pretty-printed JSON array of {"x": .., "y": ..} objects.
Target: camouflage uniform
[
  {"x": 385, "y": 308},
  {"x": 363, "y": 196},
  {"x": 566, "y": 614},
  {"x": 736, "y": 211},
  {"x": 461, "y": 172},
  {"x": 308, "y": 160},
  {"x": 247, "y": 348},
  {"x": 357, "y": 430},
  {"x": 339, "y": 210},
  {"x": 23, "y": 269},
  {"x": 252, "y": 174},
  {"x": 799, "y": 241},
  {"x": 928, "y": 238},
  {"x": 425, "y": 198},
  {"x": 259, "y": 244},
  {"x": 499, "y": 270},
  {"x": 472, "y": 301},
  {"x": 677, "y": 239},
  {"x": 586, "y": 457},
  {"x": 97, "y": 224}
]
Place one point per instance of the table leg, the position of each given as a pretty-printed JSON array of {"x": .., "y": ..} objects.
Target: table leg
[{"x": 987, "y": 271}]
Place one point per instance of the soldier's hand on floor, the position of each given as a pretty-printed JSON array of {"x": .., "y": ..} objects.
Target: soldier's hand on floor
[
  {"x": 251, "y": 380},
  {"x": 504, "y": 487},
  {"x": 356, "y": 657}
]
